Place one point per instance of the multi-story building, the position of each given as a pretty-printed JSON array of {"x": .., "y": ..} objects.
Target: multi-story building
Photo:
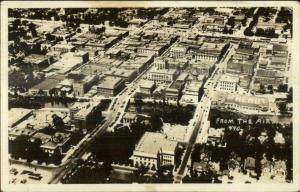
[
  {"x": 83, "y": 85},
  {"x": 243, "y": 54},
  {"x": 147, "y": 87},
  {"x": 154, "y": 150},
  {"x": 269, "y": 77},
  {"x": 215, "y": 136},
  {"x": 162, "y": 75},
  {"x": 152, "y": 49},
  {"x": 38, "y": 62},
  {"x": 111, "y": 86},
  {"x": 243, "y": 67},
  {"x": 84, "y": 115},
  {"x": 127, "y": 75},
  {"x": 210, "y": 51},
  {"x": 161, "y": 63},
  {"x": 174, "y": 92},
  {"x": 191, "y": 92},
  {"x": 241, "y": 103},
  {"x": 178, "y": 51},
  {"x": 228, "y": 83},
  {"x": 56, "y": 143},
  {"x": 63, "y": 48}
]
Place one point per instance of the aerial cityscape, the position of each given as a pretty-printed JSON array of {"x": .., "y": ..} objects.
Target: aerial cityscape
[{"x": 150, "y": 95}]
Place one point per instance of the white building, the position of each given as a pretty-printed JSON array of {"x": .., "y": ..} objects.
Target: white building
[
  {"x": 162, "y": 75},
  {"x": 228, "y": 83},
  {"x": 241, "y": 103},
  {"x": 191, "y": 92},
  {"x": 154, "y": 150},
  {"x": 178, "y": 51}
]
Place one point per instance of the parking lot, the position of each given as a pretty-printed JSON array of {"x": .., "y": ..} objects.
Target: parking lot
[{"x": 20, "y": 174}]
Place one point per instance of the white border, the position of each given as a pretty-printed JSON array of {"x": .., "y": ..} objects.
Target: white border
[{"x": 148, "y": 187}]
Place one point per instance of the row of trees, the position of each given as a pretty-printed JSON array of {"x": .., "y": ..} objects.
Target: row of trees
[
  {"x": 169, "y": 113},
  {"x": 24, "y": 78},
  {"x": 89, "y": 172},
  {"x": 269, "y": 33},
  {"x": 23, "y": 148},
  {"x": 284, "y": 16}
]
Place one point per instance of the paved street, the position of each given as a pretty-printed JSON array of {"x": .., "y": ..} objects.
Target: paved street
[{"x": 113, "y": 118}]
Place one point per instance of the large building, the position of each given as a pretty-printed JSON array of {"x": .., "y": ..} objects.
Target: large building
[
  {"x": 82, "y": 84},
  {"x": 48, "y": 86},
  {"x": 228, "y": 83},
  {"x": 38, "y": 62},
  {"x": 154, "y": 150},
  {"x": 240, "y": 103},
  {"x": 269, "y": 77},
  {"x": 68, "y": 62},
  {"x": 57, "y": 143},
  {"x": 178, "y": 51},
  {"x": 111, "y": 86},
  {"x": 85, "y": 114},
  {"x": 152, "y": 49},
  {"x": 174, "y": 91},
  {"x": 63, "y": 48},
  {"x": 262, "y": 24},
  {"x": 171, "y": 63},
  {"x": 243, "y": 54},
  {"x": 147, "y": 87},
  {"x": 243, "y": 67},
  {"x": 210, "y": 51},
  {"x": 190, "y": 93},
  {"x": 162, "y": 75},
  {"x": 127, "y": 75}
]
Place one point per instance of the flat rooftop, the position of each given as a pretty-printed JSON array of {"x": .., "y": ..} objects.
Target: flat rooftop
[
  {"x": 229, "y": 78},
  {"x": 49, "y": 83},
  {"x": 110, "y": 82},
  {"x": 147, "y": 84},
  {"x": 151, "y": 143},
  {"x": 35, "y": 58},
  {"x": 15, "y": 114}
]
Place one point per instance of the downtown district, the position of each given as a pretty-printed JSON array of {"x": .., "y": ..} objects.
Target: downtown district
[{"x": 156, "y": 95}]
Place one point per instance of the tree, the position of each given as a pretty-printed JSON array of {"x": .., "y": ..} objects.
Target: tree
[
  {"x": 35, "y": 151},
  {"x": 209, "y": 10},
  {"x": 270, "y": 33},
  {"x": 57, "y": 122},
  {"x": 138, "y": 102},
  {"x": 282, "y": 107},
  {"x": 156, "y": 122},
  {"x": 248, "y": 32},
  {"x": 32, "y": 29},
  {"x": 20, "y": 147},
  {"x": 231, "y": 21},
  {"x": 244, "y": 21},
  {"x": 225, "y": 30},
  {"x": 270, "y": 87},
  {"x": 282, "y": 88},
  {"x": 259, "y": 32},
  {"x": 290, "y": 95},
  {"x": 24, "y": 22},
  {"x": 56, "y": 157},
  {"x": 16, "y": 23}
]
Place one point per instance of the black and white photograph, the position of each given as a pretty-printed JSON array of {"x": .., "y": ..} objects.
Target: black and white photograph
[{"x": 150, "y": 94}]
